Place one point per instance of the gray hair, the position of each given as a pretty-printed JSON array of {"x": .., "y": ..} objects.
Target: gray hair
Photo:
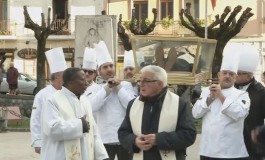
[{"x": 159, "y": 73}]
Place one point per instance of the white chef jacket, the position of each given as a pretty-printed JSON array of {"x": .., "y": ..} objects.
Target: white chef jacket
[
  {"x": 56, "y": 130},
  {"x": 222, "y": 125},
  {"x": 92, "y": 89},
  {"x": 35, "y": 119},
  {"x": 110, "y": 109},
  {"x": 90, "y": 92}
]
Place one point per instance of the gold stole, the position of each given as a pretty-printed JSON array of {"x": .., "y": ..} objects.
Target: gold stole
[
  {"x": 73, "y": 147},
  {"x": 91, "y": 121},
  {"x": 167, "y": 121}
]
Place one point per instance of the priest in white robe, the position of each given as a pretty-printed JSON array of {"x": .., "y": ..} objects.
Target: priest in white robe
[{"x": 69, "y": 131}]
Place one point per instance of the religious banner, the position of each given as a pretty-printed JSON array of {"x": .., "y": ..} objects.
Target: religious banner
[{"x": 91, "y": 29}]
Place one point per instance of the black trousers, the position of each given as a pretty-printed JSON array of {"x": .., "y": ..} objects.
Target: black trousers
[
  {"x": 118, "y": 150},
  {"x": 209, "y": 158}
]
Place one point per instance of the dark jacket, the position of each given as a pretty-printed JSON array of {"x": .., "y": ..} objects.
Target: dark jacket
[
  {"x": 179, "y": 140},
  {"x": 256, "y": 115},
  {"x": 12, "y": 75}
]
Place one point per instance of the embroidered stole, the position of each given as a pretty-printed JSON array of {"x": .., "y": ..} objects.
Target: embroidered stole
[
  {"x": 73, "y": 147},
  {"x": 167, "y": 121},
  {"x": 91, "y": 121}
]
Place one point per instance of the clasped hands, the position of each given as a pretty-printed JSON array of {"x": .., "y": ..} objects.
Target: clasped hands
[{"x": 145, "y": 142}]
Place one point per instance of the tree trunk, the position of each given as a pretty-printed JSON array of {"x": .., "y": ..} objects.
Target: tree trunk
[{"x": 41, "y": 78}]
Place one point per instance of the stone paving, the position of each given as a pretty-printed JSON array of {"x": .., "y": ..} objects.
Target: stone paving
[{"x": 16, "y": 146}]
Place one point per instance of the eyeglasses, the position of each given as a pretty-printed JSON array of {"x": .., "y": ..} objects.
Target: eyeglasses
[
  {"x": 145, "y": 81},
  {"x": 88, "y": 71}
]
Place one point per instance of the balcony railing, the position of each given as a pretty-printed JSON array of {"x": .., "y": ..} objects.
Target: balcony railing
[
  {"x": 8, "y": 27},
  {"x": 58, "y": 23}
]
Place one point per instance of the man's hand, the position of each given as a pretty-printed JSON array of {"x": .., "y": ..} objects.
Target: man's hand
[
  {"x": 85, "y": 124},
  {"x": 150, "y": 138},
  {"x": 112, "y": 82},
  {"x": 254, "y": 134},
  {"x": 145, "y": 142},
  {"x": 216, "y": 92},
  {"x": 37, "y": 149}
]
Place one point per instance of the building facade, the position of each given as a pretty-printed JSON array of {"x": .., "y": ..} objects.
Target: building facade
[{"x": 20, "y": 44}]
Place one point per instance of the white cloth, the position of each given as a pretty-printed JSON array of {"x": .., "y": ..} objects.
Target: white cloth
[
  {"x": 230, "y": 57},
  {"x": 56, "y": 60},
  {"x": 248, "y": 58},
  {"x": 56, "y": 130},
  {"x": 110, "y": 110},
  {"x": 128, "y": 59},
  {"x": 102, "y": 52},
  {"x": 222, "y": 125},
  {"x": 35, "y": 119},
  {"x": 90, "y": 59}
]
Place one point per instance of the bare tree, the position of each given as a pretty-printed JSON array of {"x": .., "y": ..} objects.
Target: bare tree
[
  {"x": 228, "y": 28},
  {"x": 137, "y": 28},
  {"x": 41, "y": 33}
]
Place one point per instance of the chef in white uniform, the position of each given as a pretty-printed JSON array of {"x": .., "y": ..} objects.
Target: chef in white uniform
[
  {"x": 110, "y": 102},
  {"x": 129, "y": 70},
  {"x": 90, "y": 68},
  {"x": 57, "y": 65},
  {"x": 223, "y": 109}
]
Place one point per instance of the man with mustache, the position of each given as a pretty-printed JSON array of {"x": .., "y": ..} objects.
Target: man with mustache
[
  {"x": 109, "y": 103},
  {"x": 129, "y": 70},
  {"x": 223, "y": 109}
]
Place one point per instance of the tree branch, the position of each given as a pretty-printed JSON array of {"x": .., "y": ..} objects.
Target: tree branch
[{"x": 28, "y": 21}]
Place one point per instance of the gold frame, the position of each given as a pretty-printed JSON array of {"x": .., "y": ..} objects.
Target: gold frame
[{"x": 179, "y": 77}]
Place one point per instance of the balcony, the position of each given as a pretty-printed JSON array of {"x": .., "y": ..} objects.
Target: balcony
[
  {"x": 58, "y": 23},
  {"x": 5, "y": 27},
  {"x": 175, "y": 29}
]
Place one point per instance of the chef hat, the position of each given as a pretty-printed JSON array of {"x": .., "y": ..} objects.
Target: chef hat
[
  {"x": 56, "y": 60},
  {"x": 90, "y": 59},
  {"x": 103, "y": 55},
  {"x": 230, "y": 57},
  {"x": 128, "y": 59},
  {"x": 248, "y": 58}
]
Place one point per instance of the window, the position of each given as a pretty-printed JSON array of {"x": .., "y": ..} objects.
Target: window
[
  {"x": 141, "y": 9},
  {"x": 3, "y": 15},
  {"x": 166, "y": 8},
  {"x": 60, "y": 8}
]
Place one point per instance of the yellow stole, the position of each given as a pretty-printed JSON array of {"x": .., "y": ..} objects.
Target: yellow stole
[
  {"x": 73, "y": 147},
  {"x": 169, "y": 113}
]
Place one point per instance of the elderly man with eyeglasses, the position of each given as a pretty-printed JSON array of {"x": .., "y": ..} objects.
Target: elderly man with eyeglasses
[{"x": 158, "y": 124}]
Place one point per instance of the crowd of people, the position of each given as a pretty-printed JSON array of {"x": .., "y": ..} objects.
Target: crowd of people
[{"x": 75, "y": 118}]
